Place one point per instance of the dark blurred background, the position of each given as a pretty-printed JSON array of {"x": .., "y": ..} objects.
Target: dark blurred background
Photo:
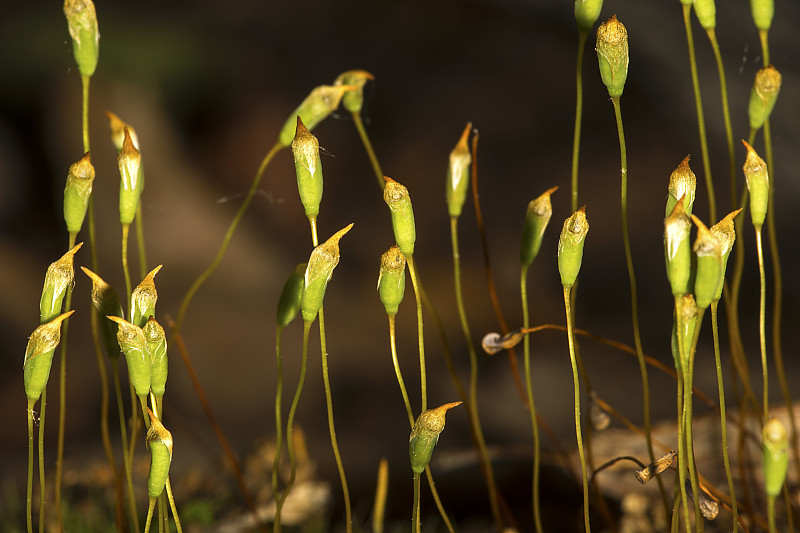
[{"x": 207, "y": 86}]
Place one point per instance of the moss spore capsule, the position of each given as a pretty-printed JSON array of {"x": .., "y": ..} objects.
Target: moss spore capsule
[
  {"x": 39, "y": 356},
  {"x": 320, "y": 267},
  {"x": 106, "y": 303},
  {"x": 117, "y": 126},
  {"x": 399, "y": 201},
  {"x": 612, "y": 55},
  {"x": 763, "y": 96},
  {"x": 292, "y": 292},
  {"x": 706, "y": 11},
  {"x": 677, "y": 249},
  {"x": 159, "y": 440},
  {"x": 144, "y": 298},
  {"x": 425, "y": 435},
  {"x": 725, "y": 233},
  {"x": 156, "y": 346},
  {"x": 77, "y": 191},
  {"x": 682, "y": 184},
  {"x": 537, "y": 216},
  {"x": 308, "y": 167},
  {"x": 321, "y": 102},
  {"x": 131, "y": 180},
  {"x": 58, "y": 278},
  {"x": 656, "y": 467},
  {"x": 458, "y": 174},
  {"x": 688, "y": 312},
  {"x": 708, "y": 277},
  {"x": 775, "y": 449},
  {"x": 762, "y": 11},
  {"x": 755, "y": 173},
  {"x": 353, "y": 100},
  {"x": 134, "y": 345},
  {"x": 82, "y": 24},
  {"x": 392, "y": 279},
  {"x": 570, "y": 247},
  {"x": 587, "y": 12}
]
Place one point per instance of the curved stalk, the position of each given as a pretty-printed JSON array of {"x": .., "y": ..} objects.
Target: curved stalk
[
  {"x": 726, "y": 114},
  {"x": 412, "y": 269},
  {"x": 373, "y": 160},
  {"x": 576, "y": 137}
]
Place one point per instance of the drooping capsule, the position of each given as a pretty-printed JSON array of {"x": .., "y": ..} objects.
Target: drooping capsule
[
  {"x": 353, "y": 100},
  {"x": 321, "y": 102}
]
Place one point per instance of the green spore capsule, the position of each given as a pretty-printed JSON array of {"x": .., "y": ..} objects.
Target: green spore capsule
[
  {"x": 320, "y": 267},
  {"x": 159, "y": 440},
  {"x": 677, "y": 249},
  {"x": 706, "y": 11},
  {"x": 392, "y": 279},
  {"x": 762, "y": 11},
  {"x": 570, "y": 247},
  {"x": 289, "y": 301},
  {"x": 688, "y": 310},
  {"x": 586, "y": 13},
  {"x": 321, "y": 102},
  {"x": 725, "y": 233},
  {"x": 458, "y": 175},
  {"x": 77, "y": 192},
  {"x": 353, "y": 100},
  {"x": 144, "y": 298},
  {"x": 708, "y": 277},
  {"x": 425, "y": 435},
  {"x": 775, "y": 449},
  {"x": 399, "y": 201},
  {"x": 537, "y": 217},
  {"x": 131, "y": 180},
  {"x": 612, "y": 55},
  {"x": 755, "y": 173},
  {"x": 308, "y": 166},
  {"x": 763, "y": 96},
  {"x": 682, "y": 184},
  {"x": 106, "y": 303},
  {"x": 156, "y": 347},
  {"x": 82, "y": 24},
  {"x": 58, "y": 278},
  {"x": 134, "y": 345},
  {"x": 117, "y": 126},
  {"x": 39, "y": 356}
]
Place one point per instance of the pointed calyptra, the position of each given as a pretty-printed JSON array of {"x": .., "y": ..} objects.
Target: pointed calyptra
[
  {"x": 77, "y": 191},
  {"x": 321, "y": 102},
  {"x": 708, "y": 277},
  {"x": 586, "y": 13},
  {"x": 156, "y": 348},
  {"x": 353, "y": 100},
  {"x": 292, "y": 292},
  {"x": 82, "y": 24},
  {"x": 117, "y": 126},
  {"x": 570, "y": 247},
  {"x": 425, "y": 435},
  {"x": 159, "y": 439},
  {"x": 763, "y": 96},
  {"x": 458, "y": 175},
  {"x": 308, "y": 167},
  {"x": 537, "y": 216},
  {"x": 688, "y": 314},
  {"x": 106, "y": 303},
  {"x": 725, "y": 233},
  {"x": 323, "y": 260},
  {"x": 392, "y": 279},
  {"x": 399, "y": 201},
  {"x": 612, "y": 55},
  {"x": 131, "y": 180},
  {"x": 57, "y": 280},
  {"x": 144, "y": 298},
  {"x": 677, "y": 230},
  {"x": 134, "y": 345},
  {"x": 682, "y": 183},
  {"x": 39, "y": 356},
  {"x": 755, "y": 173}
]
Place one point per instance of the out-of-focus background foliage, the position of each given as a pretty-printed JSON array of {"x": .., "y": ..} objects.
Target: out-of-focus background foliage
[{"x": 207, "y": 85}]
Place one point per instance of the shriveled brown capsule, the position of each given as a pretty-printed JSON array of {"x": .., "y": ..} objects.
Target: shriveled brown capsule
[
  {"x": 493, "y": 343},
  {"x": 655, "y": 468}
]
